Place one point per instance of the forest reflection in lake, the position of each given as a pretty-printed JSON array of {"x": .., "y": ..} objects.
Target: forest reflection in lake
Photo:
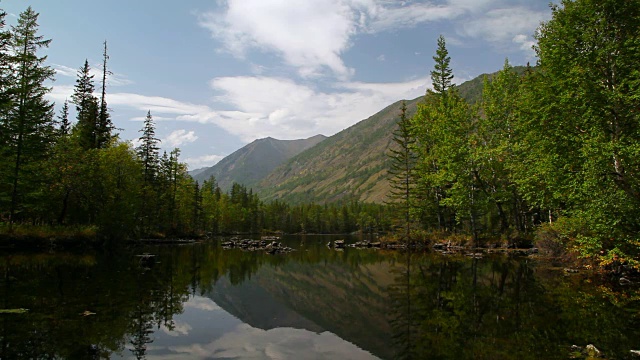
[{"x": 200, "y": 302}]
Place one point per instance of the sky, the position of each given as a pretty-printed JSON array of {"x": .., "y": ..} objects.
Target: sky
[{"x": 218, "y": 74}]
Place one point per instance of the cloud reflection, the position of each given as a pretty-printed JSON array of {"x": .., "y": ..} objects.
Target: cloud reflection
[{"x": 246, "y": 342}]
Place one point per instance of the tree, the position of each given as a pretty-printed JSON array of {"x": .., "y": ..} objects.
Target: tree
[
  {"x": 30, "y": 118},
  {"x": 403, "y": 162},
  {"x": 148, "y": 149},
  {"x": 86, "y": 108},
  {"x": 441, "y": 75},
  {"x": 63, "y": 120},
  {"x": 6, "y": 73},
  {"x": 441, "y": 128},
  {"x": 492, "y": 145},
  {"x": 590, "y": 86},
  {"x": 104, "y": 126}
]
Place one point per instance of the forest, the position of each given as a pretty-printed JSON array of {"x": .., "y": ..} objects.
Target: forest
[
  {"x": 61, "y": 176},
  {"x": 552, "y": 154}
]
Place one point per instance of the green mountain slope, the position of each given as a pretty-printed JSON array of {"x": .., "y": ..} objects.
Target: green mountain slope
[
  {"x": 352, "y": 164},
  {"x": 254, "y": 161}
]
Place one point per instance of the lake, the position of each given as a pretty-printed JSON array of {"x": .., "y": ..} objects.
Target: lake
[{"x": 199, "y": 301}]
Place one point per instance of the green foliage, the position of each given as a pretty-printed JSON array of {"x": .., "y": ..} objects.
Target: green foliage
[
  {"x": 28, "y": 121},
  {"x": 560, "y": 142},
  {"x": 587, "y": 92}
]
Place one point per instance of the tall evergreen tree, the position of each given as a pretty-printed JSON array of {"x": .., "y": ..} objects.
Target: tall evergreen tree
[
  {"x": 5, "y": 77},
  {"x": 442, "y": 75},
  {"x": 86, "y": 108},
  {"x": 104, "y": 126},
  {"x": 402, "y": 170},
  {"x": 148, "y": 156},
  {"x": 6, "y": 73},
  {"x": 30, "y": 118},
  {"x": 148, "y": 149}
]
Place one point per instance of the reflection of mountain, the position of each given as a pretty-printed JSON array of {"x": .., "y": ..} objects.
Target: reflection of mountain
[
  {"x": 255, "y": 306},
  {"x": 329, "y": 296}
]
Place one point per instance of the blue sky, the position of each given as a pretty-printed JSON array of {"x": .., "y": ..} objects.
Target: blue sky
[{"x": 217, "y": 74}]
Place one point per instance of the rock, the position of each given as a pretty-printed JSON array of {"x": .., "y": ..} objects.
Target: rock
[
  {"x": 592, "y": 351},
  {"x": 635, "y": 354},
  {"x": 570, "y": 271},
  {"x": 338, "y": 244}
]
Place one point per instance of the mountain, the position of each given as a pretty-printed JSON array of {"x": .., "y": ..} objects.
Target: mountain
[
  {"x": 352, "y": 164},
  {"x": 349, "y": 164},
  {"x": 254, "y": 161},
  {"x": 197, "y": 171}
]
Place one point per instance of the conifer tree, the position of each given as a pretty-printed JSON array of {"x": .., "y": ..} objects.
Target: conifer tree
[
  {"x": 30, "y": 118},
  {"x": 104, "y": 126},
  {"x": 5, "y": 78},
  {"x": 5, "y": 103},
  {"x": 403, "y": 159},
  {"x": 148, "y": 149},
  {"x": 63, "y": 120},
  {"x": 86, "y": 108},
  {"x": 442, "y": 75}
]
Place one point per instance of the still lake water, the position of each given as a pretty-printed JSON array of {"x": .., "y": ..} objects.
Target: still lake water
[{"x": 202, "y": 302}]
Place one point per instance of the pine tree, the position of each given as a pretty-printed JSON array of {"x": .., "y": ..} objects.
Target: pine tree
[
  {"x": 148, "y": 149},
  {"x": 148, "y": 155},
  {"x": 403, "y": 163},
  {"x": 104, "y": 126},
  {"x": 86, "y": 108},
  {"x": 5, "y": 103},
  {"x": 63, "y": 120},
  {"x": 30, "y": 118},
  {"x": 441, "y": 75},
  {"x": 5, "y": 78}
]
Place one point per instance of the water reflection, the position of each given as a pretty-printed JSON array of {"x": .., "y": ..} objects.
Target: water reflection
[
  {"x": 206, "y": 331},
  {"x": 504, "y": 308},
  {"x": 200, "y": 301}
]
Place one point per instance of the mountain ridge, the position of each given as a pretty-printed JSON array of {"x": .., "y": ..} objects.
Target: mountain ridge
[{"x": 249, "y": 164}]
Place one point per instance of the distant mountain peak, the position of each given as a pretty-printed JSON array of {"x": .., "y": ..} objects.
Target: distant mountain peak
[{"x": 251, "y": 163}]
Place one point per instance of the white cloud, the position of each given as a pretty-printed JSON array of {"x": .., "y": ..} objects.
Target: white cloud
[
  {"x": 195, "y": 163},
  {"x": 253, "y": 107},
  {"x": 394, "y": 17},
  {"x": 155, "y": 118},
  {"x": 284, "y": 109},
  {"x": 505, "y": 26},
  {"x": 313, "y": 35},
  {"x": 381, "y": 58},
  {"x": 113, "y": 79},
  {"x": 310, "y": 36},
  {"x": 180, "y": 137}
]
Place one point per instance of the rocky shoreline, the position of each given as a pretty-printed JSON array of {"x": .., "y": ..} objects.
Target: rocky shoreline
[{"x": 268, "y": 244}]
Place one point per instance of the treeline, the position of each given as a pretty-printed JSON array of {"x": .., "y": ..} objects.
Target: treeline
[
  {"x": 59, "y": 172},
  {"x": 240, "y": 210},
  {"x": 558, "y": 146}
]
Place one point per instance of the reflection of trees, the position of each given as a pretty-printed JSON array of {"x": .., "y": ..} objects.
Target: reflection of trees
[
  {"x": 499, "y": 309},
  {"x": 128, "y": 301},
  {"x": 142, "y": 329},
  {"x": 443, "y": 307}
]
